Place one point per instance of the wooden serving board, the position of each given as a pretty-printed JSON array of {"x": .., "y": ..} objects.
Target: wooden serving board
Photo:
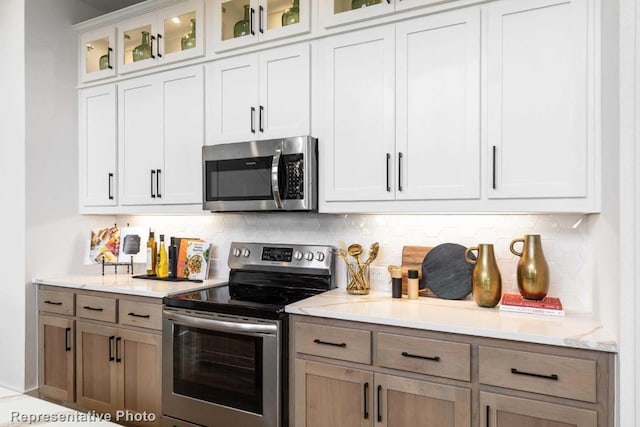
[{"x": 412, "y": 257}]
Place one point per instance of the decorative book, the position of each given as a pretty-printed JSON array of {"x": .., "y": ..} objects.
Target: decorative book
[{"x": 516, "y": 303}]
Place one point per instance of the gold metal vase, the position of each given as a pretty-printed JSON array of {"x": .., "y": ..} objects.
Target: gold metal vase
[
  {"x": 485, "y": 278},
  {"x": 533, "y": 270}
]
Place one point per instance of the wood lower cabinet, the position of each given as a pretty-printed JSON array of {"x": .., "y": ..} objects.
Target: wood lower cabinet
[
  {"x": 507, "y": 411},
  {"x": 105, "y": 355},
  {"x": 57, "y": 357},
  {"x": 359, "y": 374}
]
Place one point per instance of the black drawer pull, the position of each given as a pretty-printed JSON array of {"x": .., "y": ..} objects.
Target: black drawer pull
[
  {"x": 88, "y": 307},
  {"x": 553, "y": 377},
  {"x": 416, "y": 356},
  {"x": 52, "y": 302},
  {"x": 342, "y": 344},
  {"x": 144, "y": 316}
]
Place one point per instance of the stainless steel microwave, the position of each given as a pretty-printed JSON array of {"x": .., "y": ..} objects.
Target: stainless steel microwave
[{"x": 271, "y": 175}]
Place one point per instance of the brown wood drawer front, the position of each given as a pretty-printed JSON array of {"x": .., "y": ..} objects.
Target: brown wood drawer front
[
  {"x": 539, "y": 373},
  {"x": 56, "y": 302},
  {"x": 337, "y": 343},
  {"x": 97, "y": 308},
  {"x": 424, "y": 356},
  {"x": 141, "y": 314}
]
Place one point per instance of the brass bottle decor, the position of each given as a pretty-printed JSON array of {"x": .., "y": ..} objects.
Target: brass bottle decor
[
  {"x": 485, "y": 278},
  {"x": 533, "y": 270}
]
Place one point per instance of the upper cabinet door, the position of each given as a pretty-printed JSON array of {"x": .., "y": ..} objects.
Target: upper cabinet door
[
  {"x": 98, "y": 145},
  {"x": 357, "y": 115},
  {"x": 232, "y": 96},
  {"x": 171, "y": 34},
  {"x": 340, "y": 12},
  {"x": 238, "y": 23},
  {"x": 540, "y": 144},
  {"x": 285, "y": 92},
  {"x": 438, "y": 106},
  {"x": 97, "y": 57}
]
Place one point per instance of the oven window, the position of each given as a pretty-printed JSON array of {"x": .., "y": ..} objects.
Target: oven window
[
  {"x": 218, "y": 367},
  {"x": 239, "y": 179}
]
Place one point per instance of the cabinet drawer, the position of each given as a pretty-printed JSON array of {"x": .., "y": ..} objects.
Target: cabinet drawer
[
  {"x": 141, "y": 314},
  {"x": 56, "y": 302},
  {"x": 539, "y": 373},
  {"x": 97, "y": 308},
  {"x": 337, "y": 343},
  {"x": 424, "y": 356}
]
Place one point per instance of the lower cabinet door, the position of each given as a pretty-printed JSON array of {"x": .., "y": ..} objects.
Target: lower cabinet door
[
  {"x": 404, "y": 402},
  {"x": 332, "y": 396},
  {"x": 56, "y": 365},
  {"x": 96, "y": 368},
  {"x": 139, "y": 373},
  {"x": 505, "y": 411}
]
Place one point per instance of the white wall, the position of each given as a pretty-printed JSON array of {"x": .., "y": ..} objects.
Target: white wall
[{"x": 12, "y": 194}]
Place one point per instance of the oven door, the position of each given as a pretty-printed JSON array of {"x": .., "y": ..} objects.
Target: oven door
[{"x": 221, "y": 370}]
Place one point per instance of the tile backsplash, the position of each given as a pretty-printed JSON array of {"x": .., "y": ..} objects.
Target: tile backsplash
[{"x": 565, "y": 240}]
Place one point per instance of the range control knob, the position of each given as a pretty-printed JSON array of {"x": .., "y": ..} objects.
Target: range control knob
[
  {"x": 246, "y": 253},
  {"x": 236, "y": 252},
  {"x": 308, "y": 256},
  {"x": 320, "y": 256},
  {"x": 297, "y": 255}
]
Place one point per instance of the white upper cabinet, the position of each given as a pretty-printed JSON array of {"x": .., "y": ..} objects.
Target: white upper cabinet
[
  {"x": 238, "y": 23},
  {"x": 98, "y": 145},
  {"x": 171, "y": 34},
  {"x": 356, "y": 141},
  {"x": 97, "y": 57},
  {"x": 161, "y": 133},
  {"x": 341, "y": 12},
  {"x": 259, "y": 96},
  {"x": 438, "y": 106},
  {"x": 401, "y": 111},
  {"x": 539, "y": 117}
]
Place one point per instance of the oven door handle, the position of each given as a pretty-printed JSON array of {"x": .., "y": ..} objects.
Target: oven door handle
[
  {"x": 221, "y": 325},
  {"x": 275, "y": 171}
]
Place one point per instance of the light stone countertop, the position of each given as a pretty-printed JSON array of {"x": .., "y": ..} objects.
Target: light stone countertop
[
  {"x": 18, "y": 409},
  {"x": 125, "y": 284},
  {"x": 460, "y": 317}
]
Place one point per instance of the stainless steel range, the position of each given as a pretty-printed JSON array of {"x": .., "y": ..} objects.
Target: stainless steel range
[{"x": 225, "y": 349}]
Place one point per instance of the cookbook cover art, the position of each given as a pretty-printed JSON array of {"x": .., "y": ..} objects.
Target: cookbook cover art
[
  {"x": 133, "y": 243},
  {"x": 197, "y": 260},
  {"x": 104, "y": 245}
]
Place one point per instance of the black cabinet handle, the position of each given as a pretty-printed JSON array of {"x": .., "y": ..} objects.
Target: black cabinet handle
[
  {"x": 153, "y": 176},
  {"x": 158, "y": 48},
  {"x": 261, "y": 110},
  {"x": 88, "y": 307},
  {"x": 111, "y": 338},
  {"x": 144, "y": 316},
  {"x": 153, "y": 38},
  {"x": 118, "y": 358},
  {"x": 109, "y": 66},
  {"x": 488, "y": 412},
  {"x": 110, "y": 183},
  {"x": 379, "y": 404},
  {"x": 342, "y": 344},
  {"x": 253, "y": 115},
  {"x": 366, "y": 399},
  {"x": 67, "y": 346},
  {"x": 260, "y": 13},
  {"x": 399, "y": 171},
  {"x": 416, "y": 356},
  {"x": 53, "y": 302},
  {"x": 251, "y": 19},
  {"x": 158, "y": 195},
  {"x": 553, "y": 377},
  {"x": 388, "y": 161},
  {"x": 493, "y": 168}
]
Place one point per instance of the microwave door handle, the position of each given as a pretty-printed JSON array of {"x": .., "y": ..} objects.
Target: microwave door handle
[{"x": 275, "y": 169}]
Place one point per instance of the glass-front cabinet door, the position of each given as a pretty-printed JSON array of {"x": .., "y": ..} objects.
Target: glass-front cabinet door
[
  {"x": 171, "y": 34},
  {"x": 340, "y": 12},
  {"x": 237, "y": 23},
  {"x": 97, "y": 59}
]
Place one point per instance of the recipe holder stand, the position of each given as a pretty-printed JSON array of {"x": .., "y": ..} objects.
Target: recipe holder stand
[{"x": 116, "y": 264}]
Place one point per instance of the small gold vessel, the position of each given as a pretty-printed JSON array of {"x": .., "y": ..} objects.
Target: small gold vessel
[
  {"x": 486, "y": 279},
  {"x": 533, "y": 270}
]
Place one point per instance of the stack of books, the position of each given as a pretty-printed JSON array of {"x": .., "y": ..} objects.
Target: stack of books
[{"x": 516, "y": 303}]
